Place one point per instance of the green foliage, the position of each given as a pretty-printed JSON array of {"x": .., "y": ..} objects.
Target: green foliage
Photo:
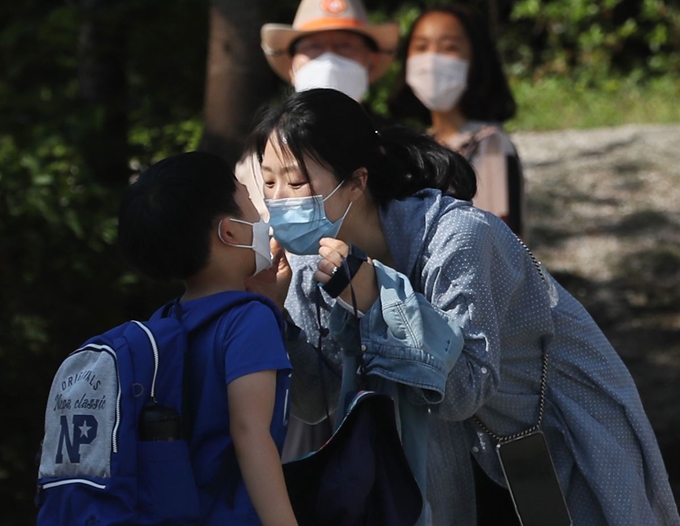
[
  {"x": 605, "y": 61},
  {"x": 61, "y": 276},
  {"x": 583, "y": 37},
  {"x": 558, "y": 102}
]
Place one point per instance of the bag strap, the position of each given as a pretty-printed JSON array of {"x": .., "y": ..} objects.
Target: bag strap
[
  {"x": 544, "y": 379},
  {"x": 541, "y": 410},
  {"x": 349, "y": 268},
  {"x": 341, "y": 278},
  {"x": 322, "y": 360},
  {"x": 469, "y": 148}
]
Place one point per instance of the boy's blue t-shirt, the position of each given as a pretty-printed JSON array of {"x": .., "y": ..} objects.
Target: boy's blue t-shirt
[{"x": 245, "y": 339}]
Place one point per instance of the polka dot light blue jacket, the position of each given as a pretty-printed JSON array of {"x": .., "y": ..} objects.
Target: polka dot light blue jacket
[{"x": 468, "y": 264}]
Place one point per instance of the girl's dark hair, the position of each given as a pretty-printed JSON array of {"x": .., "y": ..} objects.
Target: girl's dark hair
[
  {"x": 487, "y": 96},
  {"x": 166, "y": 216},
  {"x": 334, "y": 130}
]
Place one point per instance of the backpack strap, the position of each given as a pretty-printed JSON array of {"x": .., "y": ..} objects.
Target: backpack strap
[
  {"x": 174, "y": 309},
  {"x": 153, "y": 346},
  {"x": 164, "y": 311}
]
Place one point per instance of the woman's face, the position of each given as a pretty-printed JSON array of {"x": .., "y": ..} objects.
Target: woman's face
[
  {"x": 283, "y": 179},
  {"x": 442, "y": 33}
]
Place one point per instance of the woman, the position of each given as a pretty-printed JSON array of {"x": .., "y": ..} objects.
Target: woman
[
  {"x": 386, "y": 194},
  {"x": 454, "y": 82}
]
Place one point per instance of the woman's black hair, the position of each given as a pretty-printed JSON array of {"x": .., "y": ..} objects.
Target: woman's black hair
[
  {"x": 166, "y": 216},
  {"x": 334, "y": 130},
  {"x": 487, "y": 96}
]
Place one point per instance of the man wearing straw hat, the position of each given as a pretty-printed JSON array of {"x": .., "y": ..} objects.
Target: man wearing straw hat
[{"x": 331, "y": 44}]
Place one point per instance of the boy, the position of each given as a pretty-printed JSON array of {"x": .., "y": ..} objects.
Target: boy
[{"x": 187, "y": 218}]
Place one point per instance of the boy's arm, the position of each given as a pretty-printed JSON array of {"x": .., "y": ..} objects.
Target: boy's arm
[{"x": 251, "y": 406}]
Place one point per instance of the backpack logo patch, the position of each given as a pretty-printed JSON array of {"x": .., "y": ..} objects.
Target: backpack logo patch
[
  {"x": 84, "y": 432},
  {"x": 81, "y": 416}
]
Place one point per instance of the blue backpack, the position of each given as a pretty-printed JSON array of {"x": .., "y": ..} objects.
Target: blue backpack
[{"x": 114, "y": 452}]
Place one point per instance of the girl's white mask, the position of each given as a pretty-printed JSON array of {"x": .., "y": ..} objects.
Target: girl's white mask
[
  {"x": 333, "y": 71},
  {"x": 260, "y": 245},
  {"x": 437, "y": 80}
]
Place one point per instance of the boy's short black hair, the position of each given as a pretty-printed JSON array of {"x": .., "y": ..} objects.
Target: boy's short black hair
[{"x": 166, "y": 216}]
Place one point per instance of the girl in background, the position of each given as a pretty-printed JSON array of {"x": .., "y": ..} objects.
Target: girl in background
[{"x": 453, "y": 81}]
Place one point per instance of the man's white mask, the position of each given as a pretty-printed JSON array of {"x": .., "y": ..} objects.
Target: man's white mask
[{"x": 333, "y": 71}]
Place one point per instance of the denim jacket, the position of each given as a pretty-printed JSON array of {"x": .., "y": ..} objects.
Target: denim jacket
[{"x": 408, "y": 348}]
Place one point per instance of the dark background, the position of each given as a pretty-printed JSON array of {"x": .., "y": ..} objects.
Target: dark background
[{"x": 92, "y": 91}]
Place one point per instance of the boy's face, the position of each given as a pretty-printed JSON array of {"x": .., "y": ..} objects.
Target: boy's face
[
  {"x": 244, "y": 233},
  {"x": 235, "y": 233},
  {"x": 248, "y": 211}
]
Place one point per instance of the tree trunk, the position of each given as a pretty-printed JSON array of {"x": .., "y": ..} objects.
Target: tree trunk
[
  {"x": 238, "y": 78},
  {"x": 493, "y": 19},
  {"x": 103, "y": 88}
]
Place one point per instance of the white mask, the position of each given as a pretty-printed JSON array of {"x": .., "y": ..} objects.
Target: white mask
[
  {"x": 437, "y": 80},
  {"x": 263, "y": 257},
  {"x": 333, "y": 71}
]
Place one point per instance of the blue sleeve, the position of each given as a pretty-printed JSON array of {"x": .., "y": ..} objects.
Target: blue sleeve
[
  {"x": 479, "y": 274},
  {"x": 457, "y": 280},
  {"x": 253, "y": 342},
  {"x": 402, "y": 328}
]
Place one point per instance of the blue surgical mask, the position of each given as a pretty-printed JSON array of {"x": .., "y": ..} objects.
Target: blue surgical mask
[{"x": 299, "y": 223}]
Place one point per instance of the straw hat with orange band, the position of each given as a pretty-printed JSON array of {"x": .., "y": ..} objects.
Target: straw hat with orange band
[{"x": 314, "y": 16}]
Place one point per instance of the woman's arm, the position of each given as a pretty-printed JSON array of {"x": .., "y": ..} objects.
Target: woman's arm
[
  {"x": 481, "y": 275},
  {"x": 333, "y": 252},
  {"x": 251, "y": 406},
  {"x": 458, "y": 280}
]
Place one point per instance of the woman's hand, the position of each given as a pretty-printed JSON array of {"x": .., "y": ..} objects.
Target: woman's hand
[
  {"x": 273, "y": 282},
  {"x": 364, "y": 284}
]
